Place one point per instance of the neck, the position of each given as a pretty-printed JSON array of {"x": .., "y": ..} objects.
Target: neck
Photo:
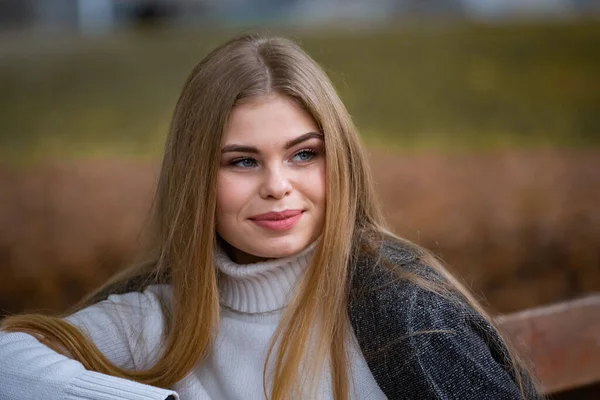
[
  {"x": 238, "y": 256},
  {"x": 259, "y": 287}
]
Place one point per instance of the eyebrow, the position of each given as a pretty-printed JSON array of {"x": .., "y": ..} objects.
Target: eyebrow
[{"x": 289, "y": 144}]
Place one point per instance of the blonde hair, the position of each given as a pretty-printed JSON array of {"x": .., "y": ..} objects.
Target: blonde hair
[{"x": 180, "y": 249}]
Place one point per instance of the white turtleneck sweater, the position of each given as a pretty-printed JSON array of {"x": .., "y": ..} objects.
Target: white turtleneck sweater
[{"x": 127, "y": 329}]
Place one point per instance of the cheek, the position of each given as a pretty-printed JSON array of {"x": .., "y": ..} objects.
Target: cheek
[
  {"x": 315, "y": 187},
  {"x": 234, "y": 193}
]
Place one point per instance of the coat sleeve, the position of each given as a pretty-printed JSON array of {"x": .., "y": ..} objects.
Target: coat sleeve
[
  {"x": 419, "y": 344},
  {"x": 30, "y": 370}
]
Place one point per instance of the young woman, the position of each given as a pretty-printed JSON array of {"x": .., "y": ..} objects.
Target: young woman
[{"x": 270, "y": 272}]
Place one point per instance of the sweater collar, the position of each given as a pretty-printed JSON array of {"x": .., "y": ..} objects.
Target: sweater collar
[{"x": 260, "y": 287}]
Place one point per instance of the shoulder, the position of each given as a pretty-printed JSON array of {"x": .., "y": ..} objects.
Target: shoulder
[
  {"x": 129, "y": 305},
  {"x": 419, "y": 342},
  {"x": 146, "y": 301},
  {"x": 385, "y": 291},
  {"x": 131, "y": 322},
  {"x": 390, "y": 275}
]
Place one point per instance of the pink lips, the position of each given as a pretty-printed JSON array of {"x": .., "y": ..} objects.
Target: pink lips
[{"x": 277, "y": 221}]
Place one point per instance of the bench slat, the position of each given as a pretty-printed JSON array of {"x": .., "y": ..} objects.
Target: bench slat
[{"x": 561, "y": 340}]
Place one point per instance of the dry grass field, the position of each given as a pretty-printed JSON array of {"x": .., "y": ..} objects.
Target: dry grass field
[
  {"x": 459, "y": 86},
  {"x": 522, "y": 228}
]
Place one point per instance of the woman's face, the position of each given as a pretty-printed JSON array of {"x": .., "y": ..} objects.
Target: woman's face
[{"x": 271, "y": 180}]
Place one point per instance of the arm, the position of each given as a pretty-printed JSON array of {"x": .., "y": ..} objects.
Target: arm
[
  {"x": 31, "y": 370},
  {"x": 419, "y": 344},
  {"x": 461, "y": 357}
]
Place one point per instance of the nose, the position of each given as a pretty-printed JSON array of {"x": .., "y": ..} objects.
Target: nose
[{"x": 276, "y": 184}]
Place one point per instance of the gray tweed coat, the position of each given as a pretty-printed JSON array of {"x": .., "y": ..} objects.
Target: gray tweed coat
[{"x": 421, "y": 345}]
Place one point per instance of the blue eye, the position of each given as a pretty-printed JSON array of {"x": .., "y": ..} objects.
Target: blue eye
[
  {"x": 244, "y": 162},
  {"x": 304, "y": 155}
]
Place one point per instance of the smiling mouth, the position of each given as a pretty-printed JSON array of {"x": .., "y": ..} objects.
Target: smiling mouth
[{"x": 278, "y": 220}]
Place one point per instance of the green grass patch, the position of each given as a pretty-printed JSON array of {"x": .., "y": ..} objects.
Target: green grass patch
[{"x": 457, "y": 86}]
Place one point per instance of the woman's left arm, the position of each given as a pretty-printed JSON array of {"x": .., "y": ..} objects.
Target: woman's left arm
[{"x": 419, "y": 344}]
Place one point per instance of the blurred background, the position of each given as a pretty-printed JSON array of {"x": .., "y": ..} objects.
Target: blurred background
[{"x": 482, "y": 118}]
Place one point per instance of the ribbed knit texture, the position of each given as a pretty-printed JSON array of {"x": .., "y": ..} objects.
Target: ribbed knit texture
[
  {"x": 94, "y": 385},
  {"x": 127, "y": 328},
  {"x": 31, "y": 371},
  {"x": 253, "y": 298},
  {"x": 259, "y": 287}
]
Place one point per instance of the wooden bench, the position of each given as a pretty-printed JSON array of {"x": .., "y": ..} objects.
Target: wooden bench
[{"x": 563, "y": 343}]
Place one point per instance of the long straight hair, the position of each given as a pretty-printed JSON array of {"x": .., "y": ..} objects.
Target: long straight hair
[{"x": 182, "y": 234}]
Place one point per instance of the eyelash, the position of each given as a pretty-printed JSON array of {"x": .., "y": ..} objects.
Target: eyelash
[{"x": 236, "y": 161}]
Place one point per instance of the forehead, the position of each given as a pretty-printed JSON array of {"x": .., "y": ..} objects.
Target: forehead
[{"x": 268, "y": 119}]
